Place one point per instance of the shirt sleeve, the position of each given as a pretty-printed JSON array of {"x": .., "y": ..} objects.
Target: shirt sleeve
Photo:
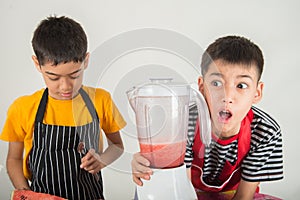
[
  {"x": 113, "y": 120},
  {"x": 12, "y": 130},
  {"x": 264, "y": 161}
]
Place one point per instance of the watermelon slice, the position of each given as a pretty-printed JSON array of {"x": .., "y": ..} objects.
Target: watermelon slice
[{"x": 31, "y": 195}]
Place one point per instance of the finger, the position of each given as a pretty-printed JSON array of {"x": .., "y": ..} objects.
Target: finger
[
  {"x": 90, "y": 156},
  {"x": 138, "y": 167},
  {"x": 141, "y": 159},
  {"x": 137, "y": 181},
  {"x": 145, "y": 176},
  {"x": 91, "y": 167},
  {"x": 87, "y": 162},
  {"x": 92, "y": 171},
  {"x": 142, "y": 169},
  {"x": 137, "y": 178}
]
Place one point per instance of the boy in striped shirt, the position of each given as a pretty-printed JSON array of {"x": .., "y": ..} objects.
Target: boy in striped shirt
[{"x": 246, "y": 145}]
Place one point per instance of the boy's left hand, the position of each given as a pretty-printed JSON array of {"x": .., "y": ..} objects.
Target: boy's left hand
[{"x": 91, "y": 162}]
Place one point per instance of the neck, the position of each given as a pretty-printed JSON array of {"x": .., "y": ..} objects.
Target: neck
[{"x": 224, "y": 135}]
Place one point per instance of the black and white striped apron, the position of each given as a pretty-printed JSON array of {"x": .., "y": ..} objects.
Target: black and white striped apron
[{"x": 55, "y": 160}]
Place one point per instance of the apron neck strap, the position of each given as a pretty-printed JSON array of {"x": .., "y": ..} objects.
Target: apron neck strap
[
  {"x": 89, "y": 104},
  {"x": 42, "y": 107}
]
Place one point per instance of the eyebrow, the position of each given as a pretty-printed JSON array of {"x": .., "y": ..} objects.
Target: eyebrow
[
  {"x": 53, "y": 74},
  {"x": 239, "y": 76}
]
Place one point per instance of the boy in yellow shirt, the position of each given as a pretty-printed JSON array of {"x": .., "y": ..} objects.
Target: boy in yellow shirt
[{"x": 59, "y": 127}]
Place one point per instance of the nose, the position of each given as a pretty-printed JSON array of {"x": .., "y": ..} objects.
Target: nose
[
  {"x": 228, "y": 96},
  {"x": 227, "y": 100},
  {"x": 65, "y": 84}
]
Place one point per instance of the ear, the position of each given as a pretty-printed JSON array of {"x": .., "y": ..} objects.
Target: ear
[
  {"x": 36, "y": 63},
  {"x": 259, "y": 91},
  {"x": 201, "y": 84},
  {"x": 86, "y": 60}
]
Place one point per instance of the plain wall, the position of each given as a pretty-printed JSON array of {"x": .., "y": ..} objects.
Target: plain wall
[{"x": 273, "y": 25}]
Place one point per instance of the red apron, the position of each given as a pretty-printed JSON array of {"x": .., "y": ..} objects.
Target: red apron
[{"x": 231, "y": 174}]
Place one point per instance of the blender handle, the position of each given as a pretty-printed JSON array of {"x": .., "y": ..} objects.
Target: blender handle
[
  {"x": 131, "y": 96},
  {"x": 203, "y": 115}
]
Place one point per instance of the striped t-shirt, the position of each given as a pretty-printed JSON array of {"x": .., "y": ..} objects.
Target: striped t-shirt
[{"x": 264, "y": 161}]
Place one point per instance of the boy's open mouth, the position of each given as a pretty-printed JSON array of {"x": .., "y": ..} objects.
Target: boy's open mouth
[{"x": 225, "y": 115}]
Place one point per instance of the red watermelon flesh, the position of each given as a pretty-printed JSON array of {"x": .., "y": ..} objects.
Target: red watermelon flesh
[{"x": 31, "y": 195}]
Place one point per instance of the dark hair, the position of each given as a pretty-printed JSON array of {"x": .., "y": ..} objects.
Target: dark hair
[
  {"x": 235, "y": 50},
  {"x": 59, "y": 40}
]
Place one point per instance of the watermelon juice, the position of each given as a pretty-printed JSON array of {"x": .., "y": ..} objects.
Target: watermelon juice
[{"x": 164, "y": 155}]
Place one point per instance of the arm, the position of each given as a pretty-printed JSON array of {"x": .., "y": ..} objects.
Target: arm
[
  {"x": 93, "y": 162},
  {"x": 14, "y": 165},
  {"x": 189, "y": 173},
  {"x": 245, "y": 190}
]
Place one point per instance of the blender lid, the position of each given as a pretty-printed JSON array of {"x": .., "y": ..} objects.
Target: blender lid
[{"x": 162, "y": 87}]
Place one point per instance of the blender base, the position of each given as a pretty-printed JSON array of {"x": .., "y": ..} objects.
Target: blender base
[{"x": 167, "y": 184}]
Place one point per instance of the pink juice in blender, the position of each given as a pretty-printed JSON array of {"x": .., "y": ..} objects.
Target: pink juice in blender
[
  {"x": 162, "y": 130},
  {"x": 164, "y": 155}
]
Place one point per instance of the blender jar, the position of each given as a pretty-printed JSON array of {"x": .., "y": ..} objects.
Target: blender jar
[{"x": 162, "y": 110}]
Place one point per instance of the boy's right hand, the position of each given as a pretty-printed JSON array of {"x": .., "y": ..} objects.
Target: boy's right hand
[{"x": 140, "y": 169}]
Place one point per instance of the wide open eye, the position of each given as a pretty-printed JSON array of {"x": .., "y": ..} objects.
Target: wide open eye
[
  {"x": 216, "y": 83},
  {"x": 242, "y": 86}
]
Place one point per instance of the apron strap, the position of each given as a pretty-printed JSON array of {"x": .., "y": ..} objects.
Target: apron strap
[
  {"x": 244, "y": 140},
  {"x": 89, "y": 104},
  {"x": 42, "y": 107}
]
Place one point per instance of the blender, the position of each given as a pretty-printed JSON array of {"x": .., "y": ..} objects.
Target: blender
[{"x": 161, "y": 110}]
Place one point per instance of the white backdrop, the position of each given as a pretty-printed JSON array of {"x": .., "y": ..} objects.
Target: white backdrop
[{"x": 176, "y": 32}]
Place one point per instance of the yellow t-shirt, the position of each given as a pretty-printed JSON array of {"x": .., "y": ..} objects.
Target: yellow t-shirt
[{"x": 19, "y": 125}]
